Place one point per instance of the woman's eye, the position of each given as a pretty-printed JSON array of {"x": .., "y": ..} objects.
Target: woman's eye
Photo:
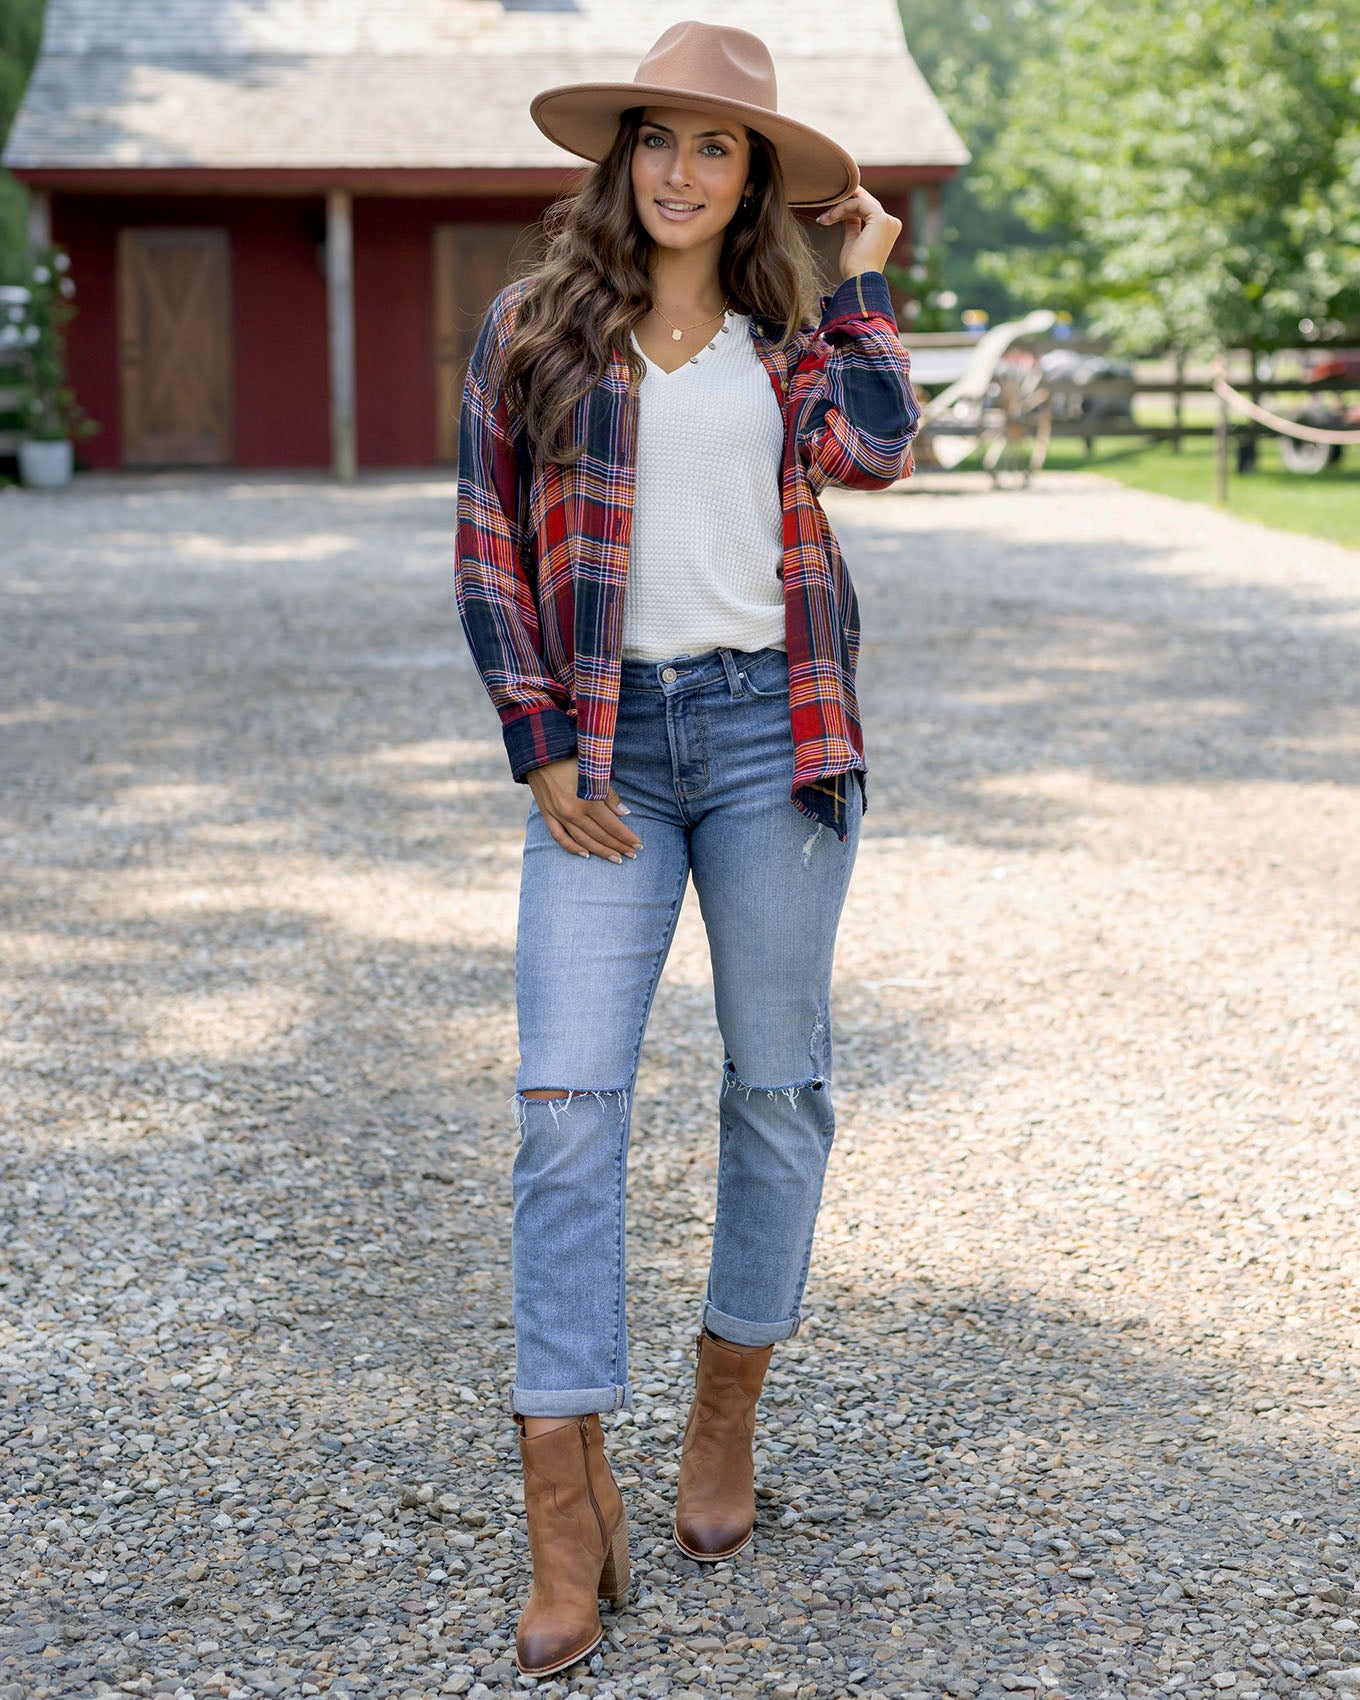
[{"x": 716, "y": 147}]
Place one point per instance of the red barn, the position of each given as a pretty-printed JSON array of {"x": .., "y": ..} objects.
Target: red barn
[{"x": 286, "y": 217}]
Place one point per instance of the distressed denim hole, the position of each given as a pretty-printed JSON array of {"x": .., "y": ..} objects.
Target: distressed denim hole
[
  {"x": 560, "y": 1101},
  {"x": 790, "y": 1091}
]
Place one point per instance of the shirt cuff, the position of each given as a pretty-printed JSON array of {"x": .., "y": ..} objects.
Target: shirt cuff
[
  {"x": 538, "y": 737},
  {"x": 866, "y": 295}
]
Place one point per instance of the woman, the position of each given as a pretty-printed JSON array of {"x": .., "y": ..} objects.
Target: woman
[{"x": 657, "y": 407}]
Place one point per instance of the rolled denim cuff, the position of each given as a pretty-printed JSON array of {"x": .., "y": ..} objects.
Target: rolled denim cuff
[
  {"x": 568, "y": 1402},
  {"x": 747, "y": 1333}
]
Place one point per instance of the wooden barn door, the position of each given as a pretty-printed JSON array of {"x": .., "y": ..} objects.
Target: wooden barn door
[
  {"x": 471, "y": 262},
  {"x": 174, "y": 314}
]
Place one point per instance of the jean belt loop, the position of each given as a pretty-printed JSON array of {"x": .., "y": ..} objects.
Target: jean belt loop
[{"x": 730, "y": 668}]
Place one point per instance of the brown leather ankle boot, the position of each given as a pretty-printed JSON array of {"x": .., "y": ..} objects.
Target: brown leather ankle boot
[
  {"x": 715, "y": 1505},
  {"x": 578, "y": 1540}
]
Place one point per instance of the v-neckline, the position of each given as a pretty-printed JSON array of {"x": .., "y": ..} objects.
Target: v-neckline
[{"x": 693, "y": 360}]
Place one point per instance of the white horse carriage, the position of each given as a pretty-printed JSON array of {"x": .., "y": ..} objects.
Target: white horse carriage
[{"x": 989, "y": 394}]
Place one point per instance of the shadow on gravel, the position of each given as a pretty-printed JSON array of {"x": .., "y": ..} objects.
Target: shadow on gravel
[
  {"x": 985, "y": 663},
  {"x": 333, "y": 676}
]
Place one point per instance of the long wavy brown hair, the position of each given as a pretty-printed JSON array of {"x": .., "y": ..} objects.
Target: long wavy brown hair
[{"x": 593, "y": 285}]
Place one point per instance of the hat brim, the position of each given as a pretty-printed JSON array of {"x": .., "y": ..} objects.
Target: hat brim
[{"x": 583, "y": 118}]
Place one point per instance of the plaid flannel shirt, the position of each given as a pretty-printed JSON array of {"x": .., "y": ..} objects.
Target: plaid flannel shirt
[{"x": 543, "y": 554}]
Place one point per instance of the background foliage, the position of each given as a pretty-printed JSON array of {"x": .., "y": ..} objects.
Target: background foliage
[
  {"x": 53, "y": 414},
  {"x": 971, "y": 52},
  {"x": 1183, "y": 176},
  {"x": 1203, "y": 163},
  {"x": 20, "y": 33}
]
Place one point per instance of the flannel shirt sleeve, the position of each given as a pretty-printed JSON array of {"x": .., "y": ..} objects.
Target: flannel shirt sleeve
[
  {"x": 496, "y": 601},
  {"x": 860, "y": 415}
]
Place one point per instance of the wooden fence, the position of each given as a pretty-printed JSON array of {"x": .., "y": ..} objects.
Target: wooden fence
[
  {"x": 1183, "y": 382},
  {"x": 1170, "y": 379}
]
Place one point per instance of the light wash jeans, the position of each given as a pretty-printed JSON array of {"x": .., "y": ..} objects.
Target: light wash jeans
[{"x": 703, "y": 757}]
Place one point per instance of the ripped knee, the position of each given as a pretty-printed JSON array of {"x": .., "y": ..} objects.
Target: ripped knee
[
  {"x": 815, "y": 1079},
  {"x": 790, "y": 1089},
  {"x": 560, "y": 1100}
]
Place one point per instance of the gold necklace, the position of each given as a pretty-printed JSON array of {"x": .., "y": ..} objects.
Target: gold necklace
[{"x": 677, "y": 331}]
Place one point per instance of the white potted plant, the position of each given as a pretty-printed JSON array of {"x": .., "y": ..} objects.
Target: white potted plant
[{"x": 54, "y": 418}]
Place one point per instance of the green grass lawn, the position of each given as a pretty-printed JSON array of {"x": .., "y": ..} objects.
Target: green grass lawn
[{"x": 1327, "y": 505}]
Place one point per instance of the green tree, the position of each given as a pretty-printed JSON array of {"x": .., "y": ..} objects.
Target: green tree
[
  {"x": 20, "y": 35},
  {"x": 970, "y": 54},
  {"x": 1202, "y": 162}
]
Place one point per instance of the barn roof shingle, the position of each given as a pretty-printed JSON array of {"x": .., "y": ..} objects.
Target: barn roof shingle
[{"x": 421, "y": 84}]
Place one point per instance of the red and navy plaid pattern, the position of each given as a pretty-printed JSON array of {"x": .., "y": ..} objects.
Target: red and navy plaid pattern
[{"x": 542, "y": 559}]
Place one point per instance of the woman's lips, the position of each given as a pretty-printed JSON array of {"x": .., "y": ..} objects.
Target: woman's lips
[{"x": 677, "y": 217}]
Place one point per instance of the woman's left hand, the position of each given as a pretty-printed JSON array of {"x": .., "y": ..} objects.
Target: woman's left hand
[{"x": 870, "y": 232}]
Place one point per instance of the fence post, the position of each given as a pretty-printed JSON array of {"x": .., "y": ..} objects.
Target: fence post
[
  {"x": 1178, "y": 402},
  {"x": 1246, "y": 457},
  {"x": 1221, "y": 442}
]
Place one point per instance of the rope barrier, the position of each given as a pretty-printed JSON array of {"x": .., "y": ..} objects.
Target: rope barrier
[{"x": 1273, "y": 421}]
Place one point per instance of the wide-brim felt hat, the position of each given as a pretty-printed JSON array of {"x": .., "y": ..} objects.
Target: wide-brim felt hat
[{"x": 703, "y": 68}]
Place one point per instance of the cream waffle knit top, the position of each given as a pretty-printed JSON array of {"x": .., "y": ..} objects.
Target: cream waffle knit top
[{"x": 707, "y": 530}]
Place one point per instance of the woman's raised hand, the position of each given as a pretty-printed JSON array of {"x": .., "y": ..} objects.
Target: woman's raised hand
[
  {"x": 586, "y": 829},
  {"x": 869, "y": 235}
]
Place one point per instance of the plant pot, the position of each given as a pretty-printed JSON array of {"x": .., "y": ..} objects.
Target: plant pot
[{"x": 46, "y": 466}]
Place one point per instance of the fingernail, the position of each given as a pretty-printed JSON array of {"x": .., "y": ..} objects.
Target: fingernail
[
  {"x": 617, "y": 859},
  {"x": 632, "y": 855},
  {"x": 624, "y": 809},
  {"x": 584, "y": 855}
]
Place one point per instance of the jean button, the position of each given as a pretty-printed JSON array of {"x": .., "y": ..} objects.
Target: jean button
[{"x": 668, "y": 675}]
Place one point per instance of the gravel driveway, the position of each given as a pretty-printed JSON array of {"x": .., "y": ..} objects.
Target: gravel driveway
[{"x": 1076, "y": 1410}]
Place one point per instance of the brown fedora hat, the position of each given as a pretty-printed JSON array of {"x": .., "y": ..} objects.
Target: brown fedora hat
[{"x": 704, "y": 68}]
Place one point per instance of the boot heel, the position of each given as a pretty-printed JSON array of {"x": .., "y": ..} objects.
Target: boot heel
[{"x": 614, "y": 1577}]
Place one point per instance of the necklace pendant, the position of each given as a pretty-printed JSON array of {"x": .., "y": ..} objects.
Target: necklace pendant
[{"x": 676, "y": 335}]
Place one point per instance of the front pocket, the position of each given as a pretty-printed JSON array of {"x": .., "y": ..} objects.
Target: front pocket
[{"x": 766, "y": 676}]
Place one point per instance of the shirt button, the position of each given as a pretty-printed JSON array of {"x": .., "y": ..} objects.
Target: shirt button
[{"x": 669, "y": 675}]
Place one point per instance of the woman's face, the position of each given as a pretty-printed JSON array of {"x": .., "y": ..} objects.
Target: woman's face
[{"x": 690, "y": 170}]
